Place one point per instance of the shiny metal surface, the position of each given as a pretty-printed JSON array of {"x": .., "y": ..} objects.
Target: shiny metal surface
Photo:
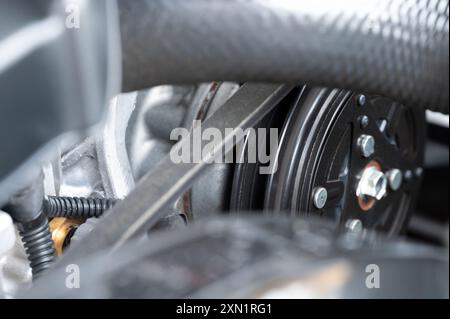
[{"x": 168, "y": 180}]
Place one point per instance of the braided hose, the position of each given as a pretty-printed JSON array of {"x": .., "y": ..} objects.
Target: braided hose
[{"x": 396, "y": 48}]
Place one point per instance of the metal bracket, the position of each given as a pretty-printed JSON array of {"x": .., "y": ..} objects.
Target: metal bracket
[{"x": 143, "y": 207}]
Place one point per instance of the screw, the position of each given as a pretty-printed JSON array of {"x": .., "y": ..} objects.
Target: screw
[
  {"x": 363, "y": 121},
  {"x": 419, "y": 172},
  {"x": 354, "y": 225},
  {"x": 361, "y": 100},
  {"x": 408, "y": 175},
  {"x": 394, "y": 177},
  {"x": 366, "y": 144},
  {"x": 320, "y": 196},
  {"x": 373, "y": 183}
]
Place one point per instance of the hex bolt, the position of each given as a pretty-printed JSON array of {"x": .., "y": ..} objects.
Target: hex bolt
[
  {"x": 354, "y": 225},
  {"x": 395, "y": 178},
  {"x": 366, "y": 144},
  {"x": 320, "y": 196},
  {"x": 364, "y": 121},
  {"x": 361, "y": 100},
  {"x": 373, "y": 183}
]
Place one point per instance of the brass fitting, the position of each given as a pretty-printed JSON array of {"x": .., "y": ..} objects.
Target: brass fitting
[{"x": 61, "y": 229}]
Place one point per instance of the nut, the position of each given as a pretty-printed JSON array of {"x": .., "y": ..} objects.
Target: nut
[{"x": 373, "y": 183}]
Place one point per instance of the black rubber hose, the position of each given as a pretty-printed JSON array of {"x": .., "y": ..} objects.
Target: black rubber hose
[
  {"x": 396, "y": 48},
  {"x": 38, "y": 243},
  {"x": 76, "y": 207},
  {"x": 26, "y": 210}
]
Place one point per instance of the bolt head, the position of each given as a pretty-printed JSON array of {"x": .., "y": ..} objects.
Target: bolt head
[
  {"x": 320, "y": 196},
  {"x": 366, "y": 144},
  {"x": 408, "y": 175},
  {"x": 364, "y": 121},
  {"x": 361, "y": 100},
  {"x": 354, "y": 226},
  {"x": 395, "y": 178},
  {"x": 418, "y": 172},
  {"x": 373, "y": 183}
]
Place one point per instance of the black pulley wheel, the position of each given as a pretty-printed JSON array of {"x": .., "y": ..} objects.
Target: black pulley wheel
[
  {"x": 336, "y": 148},
  {"x": 248, "y": 185}
]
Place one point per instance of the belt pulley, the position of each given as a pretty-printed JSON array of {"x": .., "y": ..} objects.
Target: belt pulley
[{"x": 352, "y": 158}]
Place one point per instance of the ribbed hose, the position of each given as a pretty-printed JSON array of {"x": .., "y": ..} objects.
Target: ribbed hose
[
  {"x": 37, "y": 240},
  {"x": 76, "y": 207},
  {"x": 396, "y": 48}
]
